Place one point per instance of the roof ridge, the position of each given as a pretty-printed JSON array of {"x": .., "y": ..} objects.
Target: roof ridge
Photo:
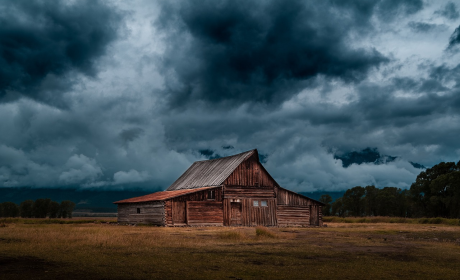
[
  {"x": 226, "y": 156},
  {"x": 210, "y": 172}
]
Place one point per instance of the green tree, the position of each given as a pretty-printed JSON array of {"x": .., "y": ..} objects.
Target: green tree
[
  {"x": 435, "y": 191},
  {"x": 10, "y": 209},
  {"x": 388, "y": 201},
  {"x": 337, "y": 208},
  {"x": 53, "y": 209},
  {"x": 40, "y": 207},
  {"x": 370, "y": 200},
  {"x": 25, "y": 208},
  {"x": 445, "y": 197},
  {"x": 353, "y": 201},
  {"x": 66, "y": 208},
  {"x": 326, "y": 199}
]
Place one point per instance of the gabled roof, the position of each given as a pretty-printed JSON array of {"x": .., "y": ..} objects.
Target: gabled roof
[
  {"x": 209, "y": 172},
  {"x": 159, "y": 196}
]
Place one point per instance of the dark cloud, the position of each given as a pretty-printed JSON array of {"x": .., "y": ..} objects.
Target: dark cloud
[
  {"x": 450, "y": 11},
  {"x": 128, "y": 135},
  {"x": 407, "y": 7},
  {"x": 368, "y": 155},
  {"x": 262, "y": 51},
  {"x": 454, "y": 39},
  {"x": 422, "y": 27},
  {"x": 42, "y": 42},
  {"x": 209, "y": 154}
]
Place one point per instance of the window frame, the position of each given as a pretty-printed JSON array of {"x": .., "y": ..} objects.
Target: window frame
[
  {"x": 211, "y": 195},
  {"x": 262, "y": 203},
  {"x": 255, "y": 203},
  {"x": 138, "y": 210}
]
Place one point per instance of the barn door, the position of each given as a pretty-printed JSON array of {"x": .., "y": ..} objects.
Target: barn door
[
  {"x": 314, "y": 215},
  {"x": 178, "y": 213},
  {"x": 235, "y": 214}
]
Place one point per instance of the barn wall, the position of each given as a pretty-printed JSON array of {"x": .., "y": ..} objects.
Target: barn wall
[
  {"x": 248, "y": 214},
  {"x": 250, "y": 173},
  {"x": 204, "y": 213},
  {"x": 296, "y": 210},
  {"x": 195, "y": 209},
  {"x": 151, "y": 213},
  {"x": 293, "y": 215}
]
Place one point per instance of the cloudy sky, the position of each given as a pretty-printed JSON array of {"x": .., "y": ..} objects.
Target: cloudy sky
[{"x": 127, "y": 94}]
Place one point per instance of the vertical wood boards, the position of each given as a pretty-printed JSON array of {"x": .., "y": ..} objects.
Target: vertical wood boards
[
  {"x": 250, "y": 173},
  {"x": 195, "y": 209},
  {"x": 242, "y": 212},
  {"x": 178, "y": 213},
  {"x": 315, "y": 215},
  {"x": 235, "y": 214}
]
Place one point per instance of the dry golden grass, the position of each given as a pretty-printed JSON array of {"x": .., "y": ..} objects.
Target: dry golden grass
[{"x": 341, "y": 250}]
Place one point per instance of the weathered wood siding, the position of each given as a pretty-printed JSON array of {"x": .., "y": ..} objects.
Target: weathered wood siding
[
  {"x": 293, "y": 215},
  {"x": 248, "y": 192},
  {"x": 295, "y": 210},
  {"x": 250, "y": 173},
  {"x": 150, "y": 213},
  {"x": 285, "y": 197},
  {"x": 195, "y": 209},
  {"x": 205, "y": 213},
  {"x": 241, "y": 211}
]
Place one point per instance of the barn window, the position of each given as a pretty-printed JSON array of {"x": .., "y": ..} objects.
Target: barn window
[
  {"x": 138, "y": 210},
  {"x": 263, "y": 203},
  {"x": 212, "y": 194},
  {"x": 255, "y": 203}
]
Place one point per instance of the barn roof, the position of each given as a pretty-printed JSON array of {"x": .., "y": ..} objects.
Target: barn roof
[
  {"x": 209, "y": 172},
  {"x": 160, "y": 196}
]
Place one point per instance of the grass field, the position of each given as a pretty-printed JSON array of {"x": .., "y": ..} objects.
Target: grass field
[{"x": 102, "y": 250}]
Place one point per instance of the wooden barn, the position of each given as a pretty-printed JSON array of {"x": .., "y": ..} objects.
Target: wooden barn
[{"x": 229, "y": 191}]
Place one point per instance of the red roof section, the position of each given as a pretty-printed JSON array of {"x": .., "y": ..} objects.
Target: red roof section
[{"x": 159, "y": 196}]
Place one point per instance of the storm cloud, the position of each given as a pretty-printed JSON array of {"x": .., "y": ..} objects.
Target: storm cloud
[
  {"x": 262, "y": 51},
  {"x": 43, "y": 43},
  {"x": 121, "y": 95}
]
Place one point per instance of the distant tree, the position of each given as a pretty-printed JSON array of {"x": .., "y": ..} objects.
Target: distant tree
[
  {"x": 326, "y": 199},
  {"x": 40, "y": 207},
  {"x": 388, "y": 200},
  {"x": 435, "y": 192},
  {"x": 1, "y": 210},
  {"x": 353, "y": 201},
  {"x": 25, "y": 208},
  {"x": 445, "y": 190},
  {"x": 337, "y": 208},
  {"x": 10, "y": 209},
  {"x": 370, "y": 200},
  {"x": 66, "y": 208},
  {"x": 53, "y": 209}
]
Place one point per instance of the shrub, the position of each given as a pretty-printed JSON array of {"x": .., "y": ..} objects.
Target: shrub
[{"x": 264, "y": 232}]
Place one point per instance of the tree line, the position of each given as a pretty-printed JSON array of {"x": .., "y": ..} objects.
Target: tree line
[
  {"x": 40, "y": 208},
  {"x": 435, "y": 193}
]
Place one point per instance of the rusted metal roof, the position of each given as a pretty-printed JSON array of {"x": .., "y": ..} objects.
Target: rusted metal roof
[
  {"x": 209, "y": 172},
  {"x": 160, "y": 196}
]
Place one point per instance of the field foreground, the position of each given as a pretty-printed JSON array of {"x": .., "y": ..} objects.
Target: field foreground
[{"x": 341, "y": 250}]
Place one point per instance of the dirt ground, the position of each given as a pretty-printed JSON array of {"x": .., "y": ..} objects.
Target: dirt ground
[{"x": 345, "y": 251}]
